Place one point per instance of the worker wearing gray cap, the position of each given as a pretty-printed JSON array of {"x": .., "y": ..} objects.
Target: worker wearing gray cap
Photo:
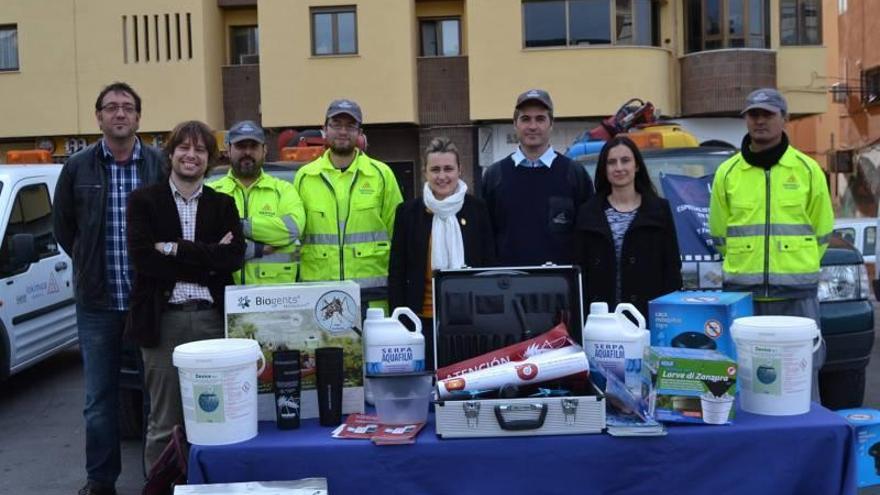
[
  {"x": 534, "y": 194},
  {"x": 771, "y": 217},
  {"x": 350, "y": 201},
  {"x": 271, "y": 211}
]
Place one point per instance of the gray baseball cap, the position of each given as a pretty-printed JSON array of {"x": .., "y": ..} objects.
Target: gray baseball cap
[
  {"x": 538, "y": 95},
  {"x": 766, "y": 99},
  {"x": 244, "y": 130},
  {"x": 345, "y": 106}
]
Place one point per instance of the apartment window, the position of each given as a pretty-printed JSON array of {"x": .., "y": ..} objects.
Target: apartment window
[
  {"x": 441, "y": 37},
  {"x": 8, "y": 47},
  {"x": 245, "y": 47},
  {"x": 334, "y": 31},
  {"x": 589, "y": 22},
  {"x": 717, "y": 24},
  {"x": 871, "y": 86},
  {"x": 800, "y": 22}
]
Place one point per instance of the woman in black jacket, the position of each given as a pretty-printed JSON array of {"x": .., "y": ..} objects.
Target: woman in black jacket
[
  {"x": 446, "y": 228},
  {"x": 625, "y": 237}
]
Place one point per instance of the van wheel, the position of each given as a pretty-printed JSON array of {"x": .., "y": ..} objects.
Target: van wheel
[
  {"x": 131, "y": 414},
  {"x": 842, "y": 389}
]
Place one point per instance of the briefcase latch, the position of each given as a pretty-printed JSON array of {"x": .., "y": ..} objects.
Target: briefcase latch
[
  {"x": 472, "y": 413},
  {"x": 569, "y": 410}
]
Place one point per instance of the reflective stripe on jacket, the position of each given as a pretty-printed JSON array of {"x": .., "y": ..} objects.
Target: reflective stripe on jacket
[
  {"x": 356, "y": 247},
  {"x": 272, "y": 215},
  {"x": 772, "y": 226}
]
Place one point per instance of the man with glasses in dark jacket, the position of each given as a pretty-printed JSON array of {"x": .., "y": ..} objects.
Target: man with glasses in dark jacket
[{"x": 89, "y": 221}]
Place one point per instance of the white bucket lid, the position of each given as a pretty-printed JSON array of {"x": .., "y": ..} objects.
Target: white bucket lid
[
  {"x": 216, "y": 353},
  {"x": 774, "y": 328}
]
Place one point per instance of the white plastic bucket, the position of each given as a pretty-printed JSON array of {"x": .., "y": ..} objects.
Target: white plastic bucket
[
  {"x": 716, "y": 410},
  {"x": 218, "y": 389},
  {"x": 775, "y": 360}
]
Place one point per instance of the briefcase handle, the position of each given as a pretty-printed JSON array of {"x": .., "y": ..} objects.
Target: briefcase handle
[{"x": 521, "y": 424}]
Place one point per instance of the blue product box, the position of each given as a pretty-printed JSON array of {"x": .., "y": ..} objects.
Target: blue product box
[
  {"x": 697, "y": 319},
  {"x": 867, "y": 425}
]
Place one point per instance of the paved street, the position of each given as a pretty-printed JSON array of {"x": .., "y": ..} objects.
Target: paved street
[
  {"x": 41, "y": 451},
  {"x": 41, "y": 432}
]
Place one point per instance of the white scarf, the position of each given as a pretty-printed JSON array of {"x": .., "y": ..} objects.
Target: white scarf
[{"x": 447, "y": 246}]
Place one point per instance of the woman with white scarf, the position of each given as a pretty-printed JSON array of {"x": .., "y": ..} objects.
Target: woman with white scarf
[{"x": 446, "y": 228}]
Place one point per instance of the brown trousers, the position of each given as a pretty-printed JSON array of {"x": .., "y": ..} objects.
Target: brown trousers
[{"x": 160, "y": 375}]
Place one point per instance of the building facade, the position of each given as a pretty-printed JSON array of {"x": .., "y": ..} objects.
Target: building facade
[
  {"x": 419, "y": 68},
  {"x": 846, "y": 138}
]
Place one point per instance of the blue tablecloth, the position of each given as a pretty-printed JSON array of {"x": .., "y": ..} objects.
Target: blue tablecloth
[{"x": 797, "y": 455}]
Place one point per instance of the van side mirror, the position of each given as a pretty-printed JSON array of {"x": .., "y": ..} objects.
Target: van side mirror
[{"x": 22, "y": 250}]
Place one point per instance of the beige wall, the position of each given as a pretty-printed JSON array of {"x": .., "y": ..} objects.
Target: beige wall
[
  {"x": 583, "y": 81},
  {"x": 819, "y": 134},
  {"x": 68, "y": 56},
  {"x": 172, "y": 90},
  {"x": 42, "y": 97},
  {"x": 296, "y": 87},
  {"x": 798, "y": 77}
]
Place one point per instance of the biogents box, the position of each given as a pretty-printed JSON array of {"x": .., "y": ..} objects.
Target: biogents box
[
  {"x": 697, "y": 319},
  {"x": 690, "y": 385},
  {"x": 867, "y": 425},
  {"x": 304, "y": 317}
]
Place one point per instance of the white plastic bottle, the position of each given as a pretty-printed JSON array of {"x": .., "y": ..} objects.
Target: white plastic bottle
[
  {"x": 612, "y": 340},
  {"x": 389, "y": 347}
]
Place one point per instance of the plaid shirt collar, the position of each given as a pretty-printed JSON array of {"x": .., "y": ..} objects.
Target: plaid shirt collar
[
  {"x": 135, "y": 153},
  {"x": 177, "y": 195}
]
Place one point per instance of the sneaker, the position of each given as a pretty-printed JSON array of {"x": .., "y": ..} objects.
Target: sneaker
[{"x": 92, "y": 488}]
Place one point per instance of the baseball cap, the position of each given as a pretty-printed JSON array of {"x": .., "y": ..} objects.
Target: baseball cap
[
  {"x": 766, "y": 99},
  {"x": 246, "y": 129},
  {"x": 344, "y": 106},
  {"x": 538, "y": 95}
]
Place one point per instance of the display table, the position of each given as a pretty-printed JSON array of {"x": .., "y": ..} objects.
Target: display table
[{"x": 806, "y": 454}]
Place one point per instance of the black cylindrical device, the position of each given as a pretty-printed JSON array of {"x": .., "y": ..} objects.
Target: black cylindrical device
[{"x": 329, "y": 368}]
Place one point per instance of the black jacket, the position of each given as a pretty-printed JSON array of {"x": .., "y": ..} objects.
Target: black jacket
[
  {"x": 533, "y": 210},
  {"x": 650, "y": 260},
  {"x": 152, "y": 217},
  {"x": 79, "y": 211},
  {"x": 409, "y": 247}
]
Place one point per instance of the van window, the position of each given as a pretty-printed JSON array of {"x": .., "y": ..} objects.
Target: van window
[
  {"x": 31, "y": 214},
  {"x": 870, "y": 240},
  {"x": 848, "y": 234}
]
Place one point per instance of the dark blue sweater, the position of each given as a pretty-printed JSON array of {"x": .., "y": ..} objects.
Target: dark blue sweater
[{"x": 533, "y": 210}]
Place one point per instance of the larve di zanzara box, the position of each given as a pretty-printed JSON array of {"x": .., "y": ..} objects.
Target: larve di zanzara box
[{"x": 304, "y": 317}]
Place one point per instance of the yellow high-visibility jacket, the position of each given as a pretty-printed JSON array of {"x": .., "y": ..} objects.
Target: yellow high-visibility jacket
[
  {"x": 272, "y": 215},
  {"x": 349, "y": 220},
  {"x": 771, "y": 225}
]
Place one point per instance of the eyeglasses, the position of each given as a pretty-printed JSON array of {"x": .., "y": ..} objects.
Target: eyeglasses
[
  {"x": 112, "y": 108},
  {"x": 347, "y": 127}
]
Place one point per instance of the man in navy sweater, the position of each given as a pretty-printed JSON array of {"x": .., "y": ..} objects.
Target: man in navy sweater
[{"x": 534, "y": 194}]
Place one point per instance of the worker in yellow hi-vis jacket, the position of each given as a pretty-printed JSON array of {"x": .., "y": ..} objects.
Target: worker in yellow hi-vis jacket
[
  {"x": 350, "y": 201},
  {"x": 271, "y": 210},
  {"x": 771, "y": 218}
]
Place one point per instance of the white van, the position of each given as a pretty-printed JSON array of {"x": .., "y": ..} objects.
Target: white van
[
  {"x": 862, "y": 234},
  {"x": 37, "y": 311}
]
